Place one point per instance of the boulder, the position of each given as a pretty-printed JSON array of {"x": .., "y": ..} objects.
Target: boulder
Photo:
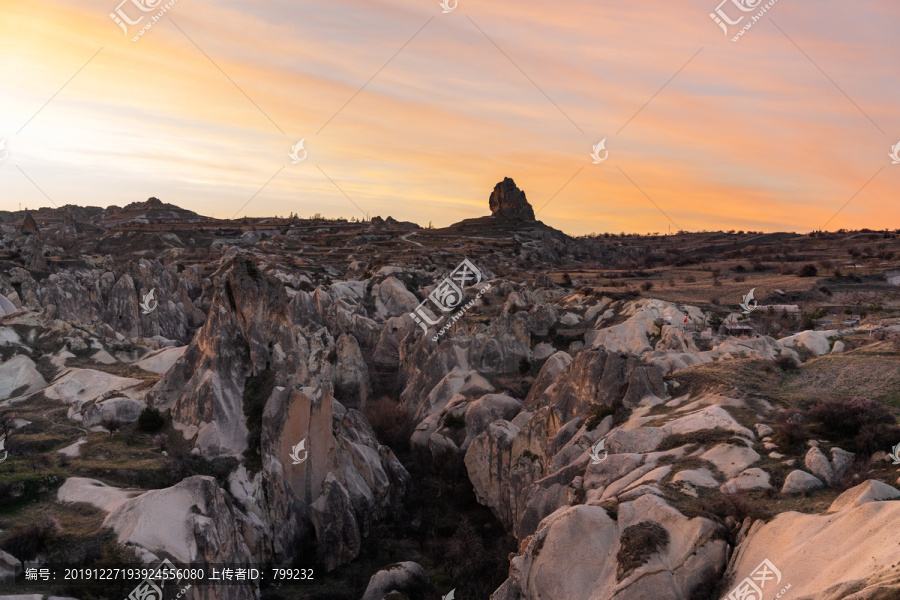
[
  {"x": 818, "y": 465},
  {"x": 841, "y": 461},
  {"x": 800, "y": 482},
  {"x": 392, "y": 299},
  {"x": 120, "y": 410},
  {"x": 816, "y": 342},
  {"x": 748, "y": 479},
  {"x": 869, "y": 491},
  {"x": 6, "y": 307},
  {"x": 19, "y": 376},
  {"x": 405, "y": 576}
]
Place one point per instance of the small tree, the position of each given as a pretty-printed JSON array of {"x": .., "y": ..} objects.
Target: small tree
[
  {"x": 150, "y": 420},
  {"x": 809, "y": 270}
]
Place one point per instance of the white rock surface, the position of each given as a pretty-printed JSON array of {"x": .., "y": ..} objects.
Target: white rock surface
[
  {"x": 816, "y": 342},
  {"x": 82, "y": 385},
  {"x": 162, "y": 360},
  {"x": 749, "y": 479},
  {"x": 798, "y": 482},
  {"x": 19, "y": 371},
  {"x": 95, "y": 493},
  {"x": 847, "y": 554}
]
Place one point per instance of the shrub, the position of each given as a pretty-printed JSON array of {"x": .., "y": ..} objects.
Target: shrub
[
  {"x": 647, "y": 286},
  {"x": 735, "y": 503},
  {"x": 524, "y": 366},
  {"x": 150, "y": 420},
  {"x": 790, "y": 430},
  {"x": 808, "y": 271},
  {"x": 857, "y": 424},
  {"x": 637, "y": 544},
  {"x": 26, "y": 542},
  {"x": 786, "y": 362},
  {"x": 160, "y": 441}
]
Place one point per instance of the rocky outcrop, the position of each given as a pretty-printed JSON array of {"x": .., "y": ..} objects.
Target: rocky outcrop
[
  {"x": 508, "y": 202},
  {"x": 794, "y": 541},
  {"x": 598, "y": 377},
  {"x": 192, "y": 521},
  {"x": 599, "y": 554},
  {"x": 345, "y": 481},
  {"x": 246, "y": 347},
  {"x": 350, "y": 375}
]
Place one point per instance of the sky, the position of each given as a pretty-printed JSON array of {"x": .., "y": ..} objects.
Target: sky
[{"x": 409, "y": 111}]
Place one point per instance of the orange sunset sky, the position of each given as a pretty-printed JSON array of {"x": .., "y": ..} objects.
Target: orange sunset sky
[{"x": 774, "y": 132}]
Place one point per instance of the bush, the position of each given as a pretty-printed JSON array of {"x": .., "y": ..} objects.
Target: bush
[
  {"x": 647, "y": 286},
  {"x": 786, "y": 362},
  {"x": 856, "y": 424},
  {"x": 150, "y": 420},
  {"x": 808, "y": 271},
  {"x": 790, "y": 429},
  {"x": 637, "y": 544},
  {"x": 26, "y": 542},
  {"x": 524, "y": 366},
  {"x": 161, "y": 441}
]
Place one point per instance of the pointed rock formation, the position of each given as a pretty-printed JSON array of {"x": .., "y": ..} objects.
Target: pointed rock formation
[
  {"x": 29, "y": 226},
  {"x": 508, "y": 201}
]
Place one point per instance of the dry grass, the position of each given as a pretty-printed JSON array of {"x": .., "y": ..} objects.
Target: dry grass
[{"x": 872, "y": 371}]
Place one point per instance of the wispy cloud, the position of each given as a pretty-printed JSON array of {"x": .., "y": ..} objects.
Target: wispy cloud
[{"x": 746, "y": 136}]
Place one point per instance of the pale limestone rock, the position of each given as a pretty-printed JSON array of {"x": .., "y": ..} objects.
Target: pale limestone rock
[
  {"x": 696, "y": 477},
  {"x": 799, "y": 482},
  {"x": 730, "y": 459},
  {"x": 79, "y": 386},
  {"x": 748, "y": 479},
  {"x": 818, "y": 465},
  {"x": 816, "y": 342},
  {"x": 851, "y": 550},
  {"x": 162, "y": 360},
  {"x": 869, "y": 491},
  {"x": 19, "y": 373},
  {"x": 543, "y": 350}
]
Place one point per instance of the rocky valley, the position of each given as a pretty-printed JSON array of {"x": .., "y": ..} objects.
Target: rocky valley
[{"x": 493, "y": 409}]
